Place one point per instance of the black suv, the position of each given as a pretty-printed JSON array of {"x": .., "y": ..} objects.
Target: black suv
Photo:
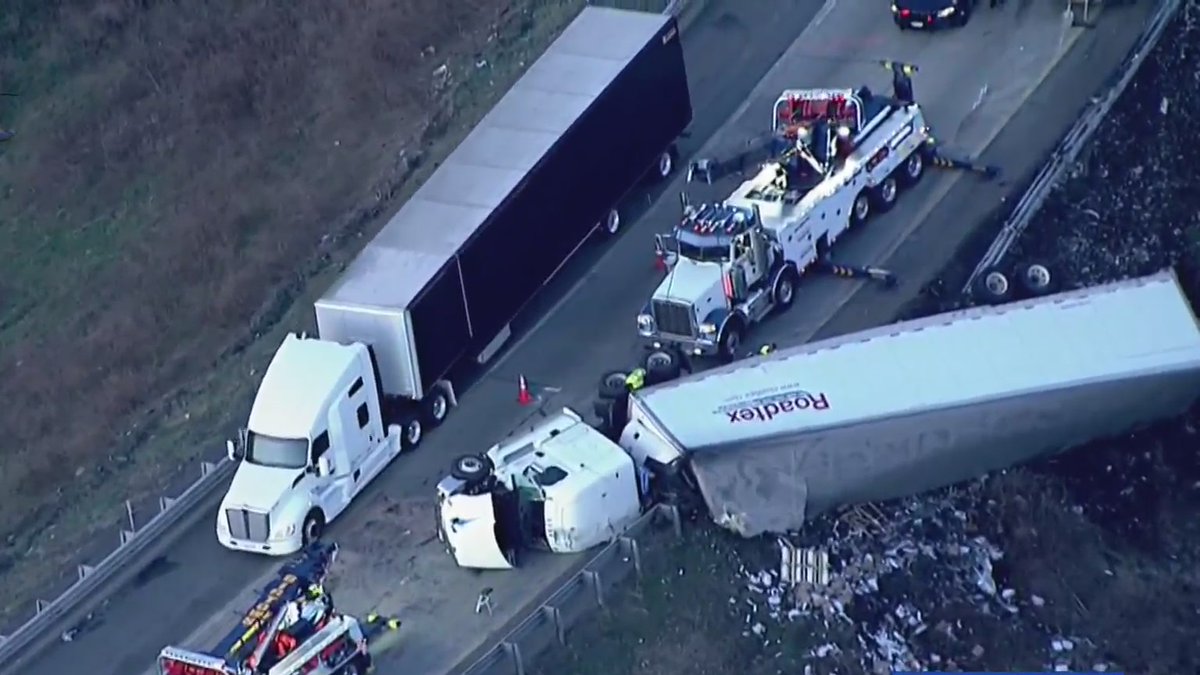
[{"x": 931, "y": 13}]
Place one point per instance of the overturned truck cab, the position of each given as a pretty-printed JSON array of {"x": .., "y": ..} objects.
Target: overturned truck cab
[{"x": 558, "y": 485}]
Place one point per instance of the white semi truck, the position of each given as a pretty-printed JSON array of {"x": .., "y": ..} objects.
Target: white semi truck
[
  {"x": 840, "y": 155},
  {"x": 770, "y": 441},
  {"x": 439, "y": 285}
]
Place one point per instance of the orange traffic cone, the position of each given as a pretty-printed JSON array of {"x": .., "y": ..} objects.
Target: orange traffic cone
[
  {"x": 523, "y": 395},
  {"x": 660, "y": 262}
]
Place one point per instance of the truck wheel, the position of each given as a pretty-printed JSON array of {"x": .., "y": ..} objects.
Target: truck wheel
[
  {"x": 313, "y": 527},
  {"x": 662, "y": 366},
  {"x": 913, "y": 168},
  {"x": 884, "y": 195},
  {"x": 993, "y": 287},
  {"x": 435, "y": 407},
  {"x": 784, "y": 293},
  {"x": 665, "y": 165},
  {"x": 612, "y": 384},
  {"x": 611, "y": 223},
  {"x": 861, "y": 209},
  {"x": 731, "y": 340},
  {"x": 472, "y": 468},
  {"x": 412, "y": 432},
  {"x": 1036, "y": 279}
]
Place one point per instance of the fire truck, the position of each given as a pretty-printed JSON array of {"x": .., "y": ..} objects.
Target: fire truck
[
  {"x": 837, "y": 157},
  {"x": 292, "y": 629}
]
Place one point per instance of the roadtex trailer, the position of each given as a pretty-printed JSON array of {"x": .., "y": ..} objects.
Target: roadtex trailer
[
  {"x": 547, "y": 167},
  {"x": 917, "y": 405}
]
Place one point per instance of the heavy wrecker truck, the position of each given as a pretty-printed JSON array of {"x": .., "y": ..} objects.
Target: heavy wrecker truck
[
  {"x": 835, "y": 157},
  {"x": 292, "y": 629}
]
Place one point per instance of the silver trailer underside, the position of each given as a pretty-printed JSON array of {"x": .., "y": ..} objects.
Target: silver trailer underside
[{"x": 1135, "y": 348}]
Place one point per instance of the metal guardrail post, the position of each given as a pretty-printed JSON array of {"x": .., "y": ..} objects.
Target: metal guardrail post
[
  {"x": 592, "y": 577},
  {"x": 514, "y": 653},
  {"x": 631, "y": 549},
  {"x": 555, "y": 617}
]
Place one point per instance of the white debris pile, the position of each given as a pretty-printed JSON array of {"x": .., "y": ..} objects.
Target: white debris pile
[
  {"x": 1129, "y": 206},
  {"x": 898, "y": 583}
]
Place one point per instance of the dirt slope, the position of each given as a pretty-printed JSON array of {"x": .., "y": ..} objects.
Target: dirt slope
[{"x": 182, "y": 173}]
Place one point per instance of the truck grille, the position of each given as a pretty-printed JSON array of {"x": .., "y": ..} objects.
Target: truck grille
[
  {"x": 248, "y": 525},
  {"x": 673, "y": 318}
]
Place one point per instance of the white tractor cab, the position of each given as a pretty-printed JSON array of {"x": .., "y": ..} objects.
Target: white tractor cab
[
  {"x": 317, "y": 436},
  {"x": 838, "y": 156},
  {"x": 561, "y": 486}
]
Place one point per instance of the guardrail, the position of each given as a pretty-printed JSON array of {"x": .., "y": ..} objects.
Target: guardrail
[
  {"x": 1067, "y": 151},
  {"x": 547, "y": 625},
  {"x": 133, "y": 538}
]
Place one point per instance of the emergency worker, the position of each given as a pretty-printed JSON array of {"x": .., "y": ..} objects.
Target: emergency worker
[
  {"x": 766, "y": 349},
  {"x": 636, "y": 379}
]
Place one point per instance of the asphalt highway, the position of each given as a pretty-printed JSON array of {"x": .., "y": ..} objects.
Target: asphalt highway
[{"x": 972, "y": 84}]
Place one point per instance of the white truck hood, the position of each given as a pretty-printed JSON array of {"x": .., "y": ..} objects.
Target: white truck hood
[
  {"x": 693, "y": 283},
  {"x": 259, "y": 488},
  {"x": 469, "y": 524}
]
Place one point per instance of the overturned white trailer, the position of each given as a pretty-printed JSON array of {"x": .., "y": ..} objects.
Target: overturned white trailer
[{"x": 921, "y": 404}]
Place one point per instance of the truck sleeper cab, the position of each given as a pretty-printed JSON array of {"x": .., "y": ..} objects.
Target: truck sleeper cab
[
  {"x": 561, "y": 487},
  {"x": 319, "y": 431}
]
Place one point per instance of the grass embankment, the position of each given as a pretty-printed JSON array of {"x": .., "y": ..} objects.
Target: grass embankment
[{"x": 184, "y": 176}]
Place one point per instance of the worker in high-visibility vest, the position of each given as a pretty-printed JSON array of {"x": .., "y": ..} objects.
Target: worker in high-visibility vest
[
  {"x": 766, "y": 349},
  {"x": 636, "y": 379}
]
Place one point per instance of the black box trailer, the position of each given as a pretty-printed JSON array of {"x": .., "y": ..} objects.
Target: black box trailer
[{"x": 543, "y": 170}]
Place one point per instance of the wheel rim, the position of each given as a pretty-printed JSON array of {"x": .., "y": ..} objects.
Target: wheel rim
[
  {"x": 732, "y": 341},
  {"x": 888, "y": 190},
  {"x": 612, "y": 222},
  {"x": 914, "y": 166},
  {"x": 470, "y": 465},
  {"x": 615, "y": 380},
  {"x": 413, "y": 432},
  {"x": 1039, "y": 276},
  {"x": 665, "y": 164},
  {"x": 313, "y": 531},
  {"x": 440, "y": 405},
  {"x": 996, "y": 283},
  {"x": 659, "y": 360},
  {"x": 785, "y": 290},
  {"x": 861, "y": 208}
]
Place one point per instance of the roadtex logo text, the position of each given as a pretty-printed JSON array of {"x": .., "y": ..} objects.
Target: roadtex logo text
[{"x": 764, "y": 407}]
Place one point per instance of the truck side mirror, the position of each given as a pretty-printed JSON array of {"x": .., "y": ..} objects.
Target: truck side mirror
[
  {"x": 324, "y": 466},
  {"x": 233, "y": 451}
]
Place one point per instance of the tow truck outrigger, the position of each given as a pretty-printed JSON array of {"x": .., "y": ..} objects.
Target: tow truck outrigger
[
  {"x": 292, "y": 629},
  {"x": 834, "y": 158}
]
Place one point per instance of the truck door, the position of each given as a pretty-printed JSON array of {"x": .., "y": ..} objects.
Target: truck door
[{"x": 358, "y": 428}]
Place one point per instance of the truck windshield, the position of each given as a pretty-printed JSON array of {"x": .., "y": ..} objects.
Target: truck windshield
[
  {"x": 713, "y": 250},
  {"x": 281, "y": 453}
]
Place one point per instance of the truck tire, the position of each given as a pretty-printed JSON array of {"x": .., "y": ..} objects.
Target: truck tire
[
  {"x": 471, "y": 468},
  {"x": 612, "y": 384},
  {"x": 435, "y": 407},
  {"x": 611, "y": 225},
  {"x": 664, "y": 166},
  {"x": 731, "y": 339},
  {"x": 412, "y": 431},
  {"x": 860, "y": 210},
  {"x": 661, "y": 366},
  {"x": 993, "y": 287},
  {"x": 912, "y": 169},
  {"x": 313, "y": 527},
  {"x": 1036, "y": 279},
  {"x": 884, "y": 195},
  {"x": 784, "y": 292}
]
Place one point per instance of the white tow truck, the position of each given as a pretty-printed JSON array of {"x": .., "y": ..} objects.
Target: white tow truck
[
  {"x": 770, "y": 441},
  {"x": 838, "y": 156}
]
